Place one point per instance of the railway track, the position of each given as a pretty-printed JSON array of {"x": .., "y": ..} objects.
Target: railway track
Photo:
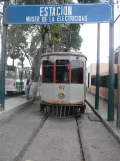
[
  {"x": 53, "y": 139},
  {"x": 80, "y": 141},
  {"x": 31, "y": 139},
  {"x": 38, "y": 137}
]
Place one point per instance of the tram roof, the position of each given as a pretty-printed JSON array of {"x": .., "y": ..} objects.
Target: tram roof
[{"x": 65, "y": 54}]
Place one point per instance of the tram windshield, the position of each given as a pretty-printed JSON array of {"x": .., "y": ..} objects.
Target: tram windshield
[
  {"x": 48, "y": 68},
  {"x": 77, "y": 71},
  {"x": 62, "y": 71}
]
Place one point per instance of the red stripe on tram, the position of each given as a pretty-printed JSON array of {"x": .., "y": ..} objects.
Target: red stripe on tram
[{"x": 54, "y": 75}]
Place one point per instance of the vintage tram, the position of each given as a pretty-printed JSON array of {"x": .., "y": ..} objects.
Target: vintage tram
[{"x": 63, "y": 87}]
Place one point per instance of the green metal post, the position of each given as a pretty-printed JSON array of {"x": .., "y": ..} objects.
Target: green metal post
[
  {"x": 97, "y": 69},
  {"x": 111, "y": 74},
  {"x": 3, "y": 59},
  {"x": 118, "y": 85},
  {"x": 118, "y": 89}
]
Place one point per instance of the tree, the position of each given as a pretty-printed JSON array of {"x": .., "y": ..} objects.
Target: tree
[
  {"x": 73, "y": 39},
  {"x": 88, "y": 1},
  {"x": 21, "y": 58},
  {"x": 48, "y": 37},
  {"x": 16, "y": 42}
]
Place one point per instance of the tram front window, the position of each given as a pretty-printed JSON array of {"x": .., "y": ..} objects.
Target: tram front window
[
  {"x": 77, "y": 71},
  {"x": 47, "y": 71},
  {"x": 62, "y": 71}
]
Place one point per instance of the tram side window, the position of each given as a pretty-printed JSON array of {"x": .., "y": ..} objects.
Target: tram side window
[
  {"x": 47, "y": 72},
  {"x": 77, "y": 71},
  {"x": 62, "y": 71}
]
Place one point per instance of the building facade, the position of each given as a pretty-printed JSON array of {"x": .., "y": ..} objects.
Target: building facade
[{"x": 104, "y": 71}]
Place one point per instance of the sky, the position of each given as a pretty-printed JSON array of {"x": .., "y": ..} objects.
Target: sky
[
  {"x": 89, "y": 35},
  {"x": 89, "y": 45}
]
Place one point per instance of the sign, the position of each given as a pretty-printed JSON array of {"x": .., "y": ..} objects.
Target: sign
[
  {"x": 61, "y": 87},
  {"x": 9, "y": 84},
  {"x": 54, "y": 14}
]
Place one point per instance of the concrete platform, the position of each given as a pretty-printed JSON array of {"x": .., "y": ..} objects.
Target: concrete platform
[
  {"x": 16, "y": 131},
  {"x": 13, "y": 105},
  {"x": 102, "y": 114}
]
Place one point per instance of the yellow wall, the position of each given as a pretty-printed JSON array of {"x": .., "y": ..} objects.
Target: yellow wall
[{"x": 104, "y": 68}]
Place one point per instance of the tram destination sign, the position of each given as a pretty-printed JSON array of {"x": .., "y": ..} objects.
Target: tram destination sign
[{"x": 53, "y": 14}]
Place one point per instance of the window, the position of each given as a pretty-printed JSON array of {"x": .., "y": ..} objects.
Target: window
[
  {"x": 116, "y": 59},
  {"x": 88, "y": 80},
  {"x": 116, "y": 81},
  {"x": 93, "y": 81},
  {"x": 10, "y": 68},
  {"x": 20, "y": 74},
  {"x": 62, "y": 71},
  {"x": 104, "y": 81},
  {"x": 47, "y": 71},
  {"x": 10, "y": 71},
  {"x": 77, "y": 71},
  {"x": 25, "y": 74},
  {"x": 28, "y": 74}
]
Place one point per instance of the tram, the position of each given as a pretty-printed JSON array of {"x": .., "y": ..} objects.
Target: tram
[{"x": 63, "y": 86}]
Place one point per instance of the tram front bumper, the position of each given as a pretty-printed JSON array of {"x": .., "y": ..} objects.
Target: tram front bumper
[{"x": 62, "y": 110}]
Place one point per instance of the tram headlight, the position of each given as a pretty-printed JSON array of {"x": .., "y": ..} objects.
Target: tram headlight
[{"x": 61, "y": 95}]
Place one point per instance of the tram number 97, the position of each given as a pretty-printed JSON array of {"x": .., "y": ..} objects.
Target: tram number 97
[{"x": 61, "y": 87}]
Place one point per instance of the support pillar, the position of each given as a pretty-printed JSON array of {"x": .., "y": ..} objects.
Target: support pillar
[
  {"x": 111, "y": 74},
  {"x": 3, "y": 59},
  {"x": 97, "y": 69}
]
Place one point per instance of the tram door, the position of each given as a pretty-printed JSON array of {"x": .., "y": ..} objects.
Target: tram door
[{"x": 62, "y": 87}]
